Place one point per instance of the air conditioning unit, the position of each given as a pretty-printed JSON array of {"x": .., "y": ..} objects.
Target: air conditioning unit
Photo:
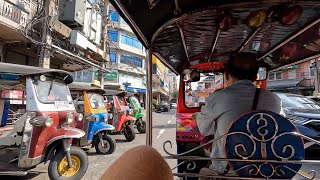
[{"x": 72, "y": 12}]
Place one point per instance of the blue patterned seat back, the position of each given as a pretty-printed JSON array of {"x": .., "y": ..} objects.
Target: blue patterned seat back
[{"x": 263, "y": 135}]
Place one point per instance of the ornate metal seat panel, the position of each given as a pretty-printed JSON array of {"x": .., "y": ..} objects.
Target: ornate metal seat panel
[{"x": 264, "y": 135}]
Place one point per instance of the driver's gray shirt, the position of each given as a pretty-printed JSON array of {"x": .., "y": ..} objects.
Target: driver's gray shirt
[{"x": 224, "y": 106}]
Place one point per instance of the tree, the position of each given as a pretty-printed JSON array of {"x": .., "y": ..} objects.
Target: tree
[{"x": 175, "y": 94}]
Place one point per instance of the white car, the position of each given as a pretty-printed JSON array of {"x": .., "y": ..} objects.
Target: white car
[{"x": 173, "y": 105}]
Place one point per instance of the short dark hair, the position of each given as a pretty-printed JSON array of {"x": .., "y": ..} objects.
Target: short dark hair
[{"x": 243, "y": 66}]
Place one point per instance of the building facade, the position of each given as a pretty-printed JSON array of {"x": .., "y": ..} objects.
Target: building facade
[
  {"x": 66, "y": 41},
  {"x": 127, "y": 57},
  {"x": 160, "y": 87},
  {"x": 172, "y": 80},
  {"x": 297, "y": 79}
]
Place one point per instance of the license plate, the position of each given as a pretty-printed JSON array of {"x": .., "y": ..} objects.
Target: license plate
[{"x": 61, "y": 104}]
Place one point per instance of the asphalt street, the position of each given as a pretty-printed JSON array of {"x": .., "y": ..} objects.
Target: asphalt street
[{"x": 164, "y": 127}]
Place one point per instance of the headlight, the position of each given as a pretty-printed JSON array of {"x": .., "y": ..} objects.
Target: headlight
[
  {"x": 70, "y": 118},
  {"x": 49, "y": 122},
  {"x": 80, "y": 117},
  {"x": 41, "y": 121}
]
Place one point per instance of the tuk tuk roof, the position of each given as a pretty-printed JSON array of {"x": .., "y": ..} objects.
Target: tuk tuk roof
[
  {"x": 109, "y": 92},
  {"x": 129, "y": 94},
  {"x": 182, "y": 33},
  {"x": 77, "y": 86},
  {"x": 23, "y": 70}
]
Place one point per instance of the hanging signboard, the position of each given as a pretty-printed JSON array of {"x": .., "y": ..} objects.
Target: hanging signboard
[{"x": 112, "y": 77}]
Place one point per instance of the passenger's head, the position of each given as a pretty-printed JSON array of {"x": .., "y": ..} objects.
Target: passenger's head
[{"x": 241, "y": 66}]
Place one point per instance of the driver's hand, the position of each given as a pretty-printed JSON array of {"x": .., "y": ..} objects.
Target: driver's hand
[{"x": 194, "y": 116}]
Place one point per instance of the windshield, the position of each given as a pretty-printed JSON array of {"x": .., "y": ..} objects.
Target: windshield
[
  {"x": 96, "y": 100},
  {"x": 196, "y": 93},
  {"x": 52, "y": 91},
  {"x": 135, "y": 101},
  {"x": 298, "y": 102}
]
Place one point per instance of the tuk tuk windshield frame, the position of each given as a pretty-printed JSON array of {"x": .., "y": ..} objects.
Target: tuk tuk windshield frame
[{"x": 49, "y": 88}]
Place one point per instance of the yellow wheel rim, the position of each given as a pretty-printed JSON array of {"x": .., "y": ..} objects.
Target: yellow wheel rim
[{"x": 63, "y": 167}]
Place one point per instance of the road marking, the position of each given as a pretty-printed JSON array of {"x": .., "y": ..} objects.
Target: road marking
[
  {"x": 169, "y": 121},
  {"x": 160, "y": 133}
]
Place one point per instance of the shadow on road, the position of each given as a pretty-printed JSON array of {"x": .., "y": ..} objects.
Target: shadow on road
[{"x": 121, "y": 141}]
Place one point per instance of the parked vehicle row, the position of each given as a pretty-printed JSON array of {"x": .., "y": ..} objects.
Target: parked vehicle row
[{"x": 58, "y": 119}]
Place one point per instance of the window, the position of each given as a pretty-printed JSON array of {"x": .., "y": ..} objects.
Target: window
[
  {"x": 311, "y": 71},
  {"x": 113, "y": 56},
  {"x": 271, "y": 76},
  {"x": 275, "y": 75},
  {"x": 278, "y": 75},
  {"x": 114, "y": 15},
  {"x": 113, "y": 35},
  {"x": 196, "y": 93},
  {"x": 130, "y": 40},
  {"x": 131, "y": 60},
  {"x": 292, "y": 74}
]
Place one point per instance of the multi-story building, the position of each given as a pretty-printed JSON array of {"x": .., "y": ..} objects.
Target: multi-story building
[
  {"x": 73, "y": 33},
  {"x": 127, "y": 57},
  {"x": 172, "y": 80},
  {"x": 160, "y": 87},
  {"x": 297, "y": 79}
]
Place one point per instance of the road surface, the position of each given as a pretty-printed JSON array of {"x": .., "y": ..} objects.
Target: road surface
[{"x": 163, "y": 130}]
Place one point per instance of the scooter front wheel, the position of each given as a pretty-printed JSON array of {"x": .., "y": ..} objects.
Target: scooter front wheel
[
  {"x": 108, "y": 146},
  {"x": 59, "y": 167},
  {"x": 141, "y": 126},
  {"x": 129, "y": 133}
]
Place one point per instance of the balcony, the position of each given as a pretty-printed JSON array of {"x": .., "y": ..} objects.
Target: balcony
[{"x": 121, "y": 25}]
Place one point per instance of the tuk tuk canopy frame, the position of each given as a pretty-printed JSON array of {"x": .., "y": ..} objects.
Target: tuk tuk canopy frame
[{"x": 184, "y": 33}]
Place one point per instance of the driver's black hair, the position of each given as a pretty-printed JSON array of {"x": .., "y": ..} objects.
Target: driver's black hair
[{"x": 243, "y": 66}]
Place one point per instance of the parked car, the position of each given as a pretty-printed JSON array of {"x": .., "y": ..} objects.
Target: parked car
[
  {"x": 163, "y": 107},
  {"x": 304, "y": 113},
  {"x": 173, "y": 103}
]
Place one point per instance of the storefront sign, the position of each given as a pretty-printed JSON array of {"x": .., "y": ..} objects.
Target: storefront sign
[{"x": 111, "y": 77}]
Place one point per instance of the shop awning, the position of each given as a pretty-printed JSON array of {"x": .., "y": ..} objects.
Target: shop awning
[
  {"x": 286, "y": 83},
  {"x": 139, "y": 90}
]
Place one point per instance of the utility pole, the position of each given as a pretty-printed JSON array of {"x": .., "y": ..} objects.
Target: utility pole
[
  {"x": 316, "y": 78},
  {"x": 2, "y": 51},
  {"x": 105, "y": 20},
  {"x": 44, "y": 56}
]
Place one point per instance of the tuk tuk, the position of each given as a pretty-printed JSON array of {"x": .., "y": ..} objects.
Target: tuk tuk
[
  {"x": 44, "y": 132},
  {"x": 203, "y": 36},
  {"x": 134, "y": 104},
  {"x": 89, "y": 101},
  {"x": 120, "y": 114}
]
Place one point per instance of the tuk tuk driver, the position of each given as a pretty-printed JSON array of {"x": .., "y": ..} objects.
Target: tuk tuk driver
[{"x": 225, "y": 105}]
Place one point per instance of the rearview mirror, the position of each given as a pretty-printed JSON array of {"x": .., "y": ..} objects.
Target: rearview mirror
[
  {"x": 262, "y": 74},
  {"x": 191, "y": 75}
]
